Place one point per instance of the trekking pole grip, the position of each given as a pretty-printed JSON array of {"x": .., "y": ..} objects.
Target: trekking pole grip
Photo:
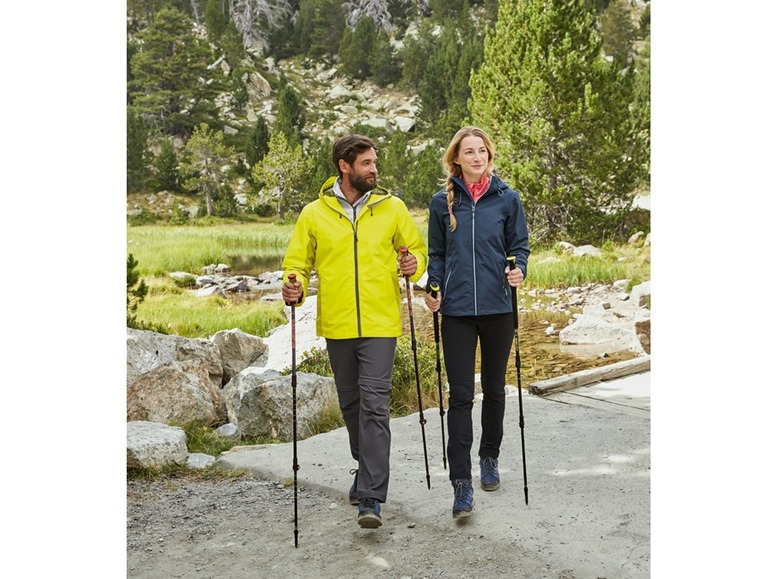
[
  {"x": 433, "y": 289},
  {"x": 291, "y": 278}
]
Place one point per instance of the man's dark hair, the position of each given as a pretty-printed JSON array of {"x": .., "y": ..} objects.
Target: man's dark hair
[{"x": 349, "y": 148}]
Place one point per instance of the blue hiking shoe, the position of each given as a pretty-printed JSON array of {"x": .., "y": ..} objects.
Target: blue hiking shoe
[
  {"x": 463, "y": 501},
  {"x": 369, "y": 516},
  {"x": 489, "y": 473},
  {"x": 353, "y": 495}
]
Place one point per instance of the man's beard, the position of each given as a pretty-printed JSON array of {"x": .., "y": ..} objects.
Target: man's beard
[{"x": 361, "y": 184}]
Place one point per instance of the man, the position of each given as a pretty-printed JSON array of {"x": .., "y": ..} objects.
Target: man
[{"x": 351, "y": 237}]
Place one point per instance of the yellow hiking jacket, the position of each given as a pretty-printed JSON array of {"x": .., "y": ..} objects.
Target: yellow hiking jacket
[{"x": 356, "y": 263}]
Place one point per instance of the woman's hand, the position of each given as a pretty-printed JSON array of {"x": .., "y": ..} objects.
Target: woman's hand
[{"x": 514, "y": 277}]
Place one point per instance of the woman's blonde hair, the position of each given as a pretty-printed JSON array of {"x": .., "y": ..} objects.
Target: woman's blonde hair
[{"x": 453, "y": 169}]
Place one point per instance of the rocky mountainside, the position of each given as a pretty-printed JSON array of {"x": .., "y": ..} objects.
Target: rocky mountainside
[{"x": 334, "y": 102}]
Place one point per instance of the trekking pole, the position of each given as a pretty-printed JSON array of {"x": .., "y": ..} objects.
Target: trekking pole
[
  {"x": 291, "y": 278},
  {"x": 434, "y": 288},
  {"x": 512, "y": 259},
  {"x": 422, "y": 420}
]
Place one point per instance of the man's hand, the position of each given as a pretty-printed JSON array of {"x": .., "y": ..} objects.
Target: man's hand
[
  {"x": 291, "y": 292},
  {"x": 408, "y": 264}
]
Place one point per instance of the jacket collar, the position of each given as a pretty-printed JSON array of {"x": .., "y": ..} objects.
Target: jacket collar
[{"x": 376, "y": 194}]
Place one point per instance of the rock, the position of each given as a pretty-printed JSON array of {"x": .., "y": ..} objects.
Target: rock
[
  {"x": 641, "y": 294},
  {"x": 260, "y": 403},
  {"x": 404, "y": 124},
  {"x": 199, "y": 460},
  {"x": 643, "y": 329},
  {"x": 239, "y": 350},
  {"x": 148, "y": 350},
  {"x": 229, "y": 429},
  {"x": 378, "y": 123},
  {"x": 339, "y": 92},
  {"x": 587, "y": 250},
  {"x": 589, "y": 329},
  {"x": 151, "y": 444},
  {"x": 180, "y": 391},
  {"x": 635, "y": 237}
]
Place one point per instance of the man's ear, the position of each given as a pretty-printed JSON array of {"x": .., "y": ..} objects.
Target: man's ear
[{"x": 344, "y": 166}]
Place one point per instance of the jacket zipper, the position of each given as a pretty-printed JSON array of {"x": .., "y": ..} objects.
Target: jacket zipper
[
  {"x": 356, "y": 279},
  {"x": 474, "y": 261}
]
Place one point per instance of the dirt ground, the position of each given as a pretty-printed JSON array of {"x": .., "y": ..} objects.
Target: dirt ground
[{"x": 244, "y": 528}]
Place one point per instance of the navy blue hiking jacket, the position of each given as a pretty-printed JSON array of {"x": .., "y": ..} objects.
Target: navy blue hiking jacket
[{"x": 469, "y": 263}]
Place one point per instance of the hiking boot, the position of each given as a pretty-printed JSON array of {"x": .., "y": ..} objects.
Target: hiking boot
[
  {"x": 463, "y": 501},
  {"x": 353, "y": 495},
  {"x": 489, "y": 473},
  {"x": 369, "y": 516}
]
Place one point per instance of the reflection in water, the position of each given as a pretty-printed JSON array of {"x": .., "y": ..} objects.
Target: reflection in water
[
  {"x": 590, "y": 351},
  {"x": 254, "y": 265}
]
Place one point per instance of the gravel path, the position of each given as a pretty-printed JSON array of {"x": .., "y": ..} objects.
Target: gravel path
[{"x": 244, "y": 528}]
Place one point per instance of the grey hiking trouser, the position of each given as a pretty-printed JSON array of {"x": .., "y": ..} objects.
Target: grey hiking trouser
[{"x": 363, "y": 369}]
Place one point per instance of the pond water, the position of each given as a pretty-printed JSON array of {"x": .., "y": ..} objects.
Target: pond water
[{"x": 254, "y": 265}]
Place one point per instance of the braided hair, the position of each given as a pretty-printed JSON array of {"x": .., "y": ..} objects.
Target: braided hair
[{"x": 453, "y": 168}]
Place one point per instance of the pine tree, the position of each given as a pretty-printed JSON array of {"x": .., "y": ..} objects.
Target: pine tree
[
  {"x": 355, "y": 48},
  {"x": 381, "y": 61},
  {"x": 394, "y": 164},
  {"x": 257, "y": 143},
  {"x": 216, "y": 20},
  {"x": 230, "y": 43},
  {"x": 201, "y": 163},
  {"x": 434, "y": 89},
  {"x": 290, "y": 113},
  {"x": 168, "y": 72},
  {"x": 618, "y": 30},
  {"x": 136, "y": 152},
  {"x": 319, "y": 28},
  {"x": 425, "y": 177},
  {"x": 559, "y": 114},
  {"x": 413, "y": 55},
  {"x": 167, "y": 177},
  {"x": 320, "y": 168},
  {"x": 449, "y": 9}
]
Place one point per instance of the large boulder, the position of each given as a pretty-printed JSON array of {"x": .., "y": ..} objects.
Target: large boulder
[
  {"x": 589, "y": 329},
  {"x": 260, "y": 403},
  {"x": 172, "y": 378},
  {"x": 151, "y": 445},
  {"x": 148, "y": 350},
  {"x": 176, "y": 391},
  {"x": 239, "y": 350}
]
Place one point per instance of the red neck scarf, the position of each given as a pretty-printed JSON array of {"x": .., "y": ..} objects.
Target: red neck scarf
[{"x": 477, "y": 189}]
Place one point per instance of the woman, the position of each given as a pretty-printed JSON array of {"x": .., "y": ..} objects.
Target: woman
[{"x": 475, "y": 223}]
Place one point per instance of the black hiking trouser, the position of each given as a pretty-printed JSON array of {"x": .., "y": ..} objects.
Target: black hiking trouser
[{"x": 459, "y": 345}]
